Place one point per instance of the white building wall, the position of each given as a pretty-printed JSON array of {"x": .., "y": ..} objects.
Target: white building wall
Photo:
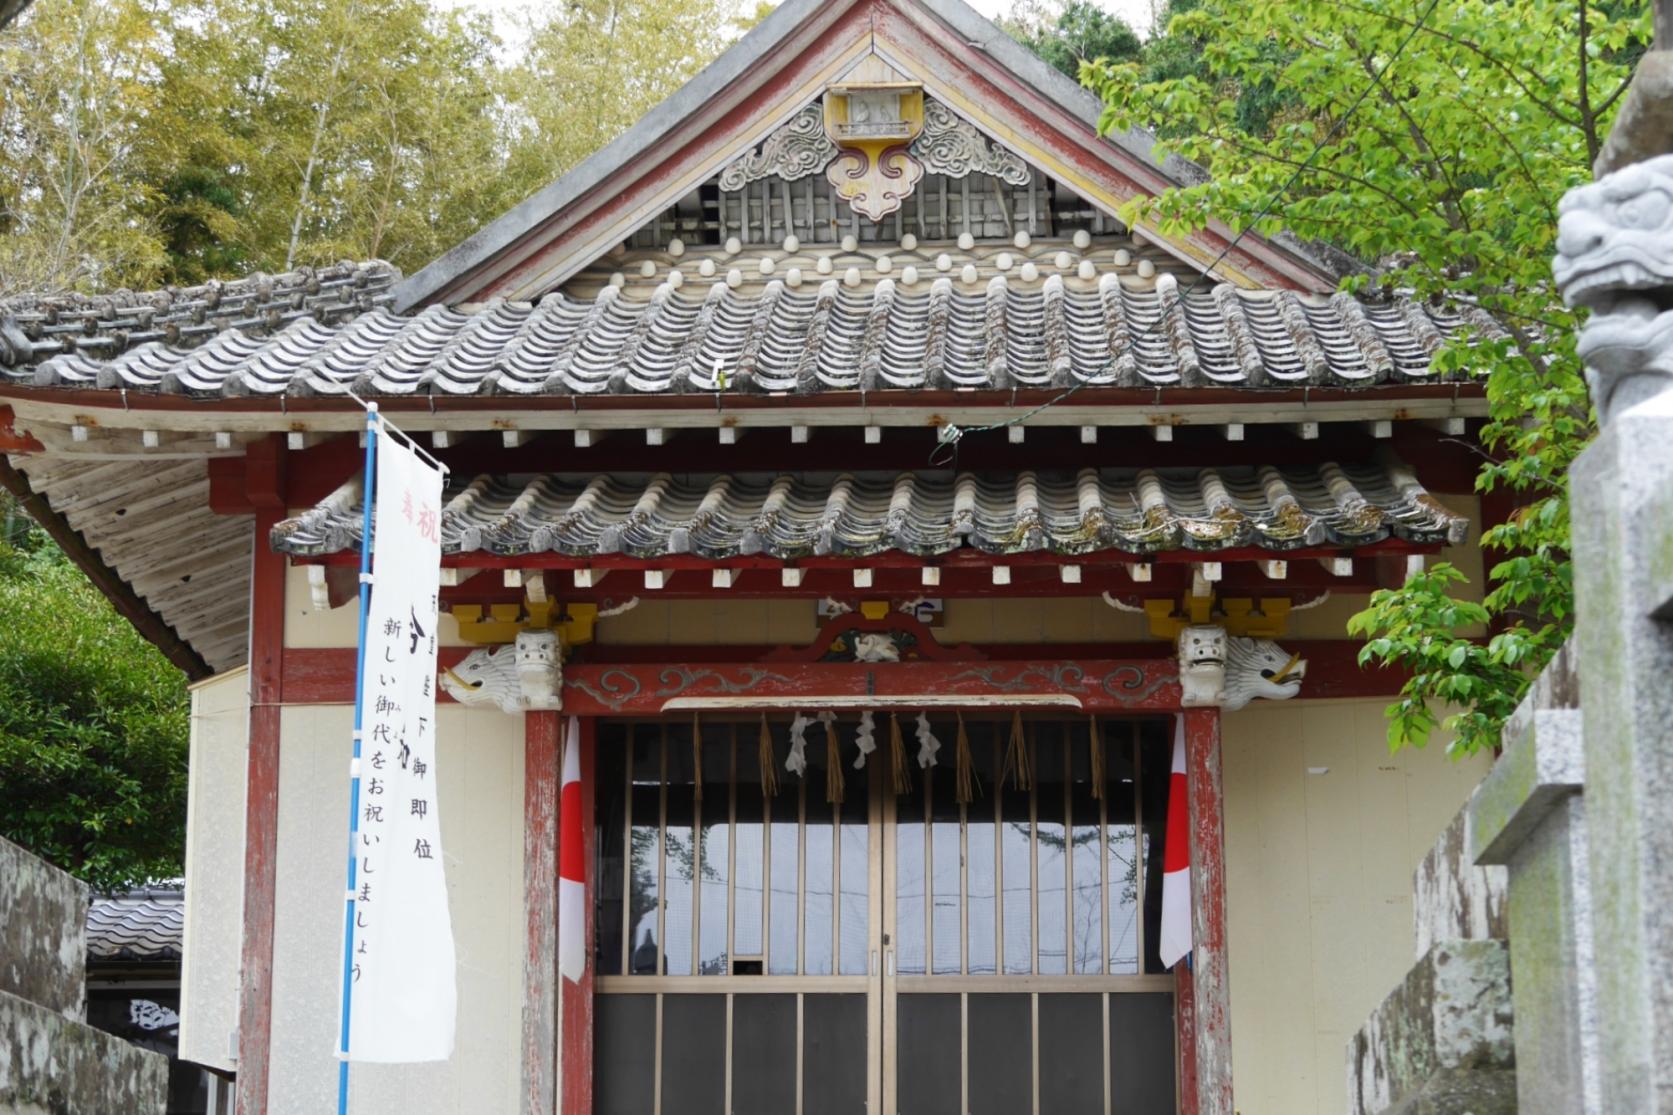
[
  {"x": 480, "y": 784},
  {"x": 1323, "y": 831},
  {"x": 214, "y": 870}
]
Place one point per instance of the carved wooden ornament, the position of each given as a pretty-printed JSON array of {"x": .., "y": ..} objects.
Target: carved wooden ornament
[{"x": 873, "y": 125}]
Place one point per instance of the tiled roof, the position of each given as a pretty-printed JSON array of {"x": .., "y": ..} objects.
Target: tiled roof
[
  {"x": 830, "y": 336},
  {"x": 99, "y": 327},
  {"x": 142, "y": 925},
  {"x": 788, "y": 516}
]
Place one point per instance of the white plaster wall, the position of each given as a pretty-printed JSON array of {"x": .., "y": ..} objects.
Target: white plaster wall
[
  {"x": 1318, "y": 880},
  {"x": 214, "y": 869},
  {"x": 480, "y": 780}
]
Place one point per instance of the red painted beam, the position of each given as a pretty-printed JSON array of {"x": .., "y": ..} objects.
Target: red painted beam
[
  {"x": 1442, "y": 464},
  {"x": 1170, "y": 581},
  {"x": 576, "y": 1057},
  {"x": 94, "y": 399},
  {"x": 967, "y": 558},
  {"x": 325, "y": 675},
  {"x": 11, "y": 441},
  {"x": 261, "y": 802},
  {"x": 1210, "y": 977},
  {"x": 541, "y": 732}
]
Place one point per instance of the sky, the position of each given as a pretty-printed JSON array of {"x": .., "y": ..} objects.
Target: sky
[{"x": 1137, "y": 13}]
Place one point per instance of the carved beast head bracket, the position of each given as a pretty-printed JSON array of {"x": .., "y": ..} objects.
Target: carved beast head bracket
[
  {"x": 1230, "y": 671},
  {"x": 1615, "y": 257},
  {"x": 520, "y": 676}
]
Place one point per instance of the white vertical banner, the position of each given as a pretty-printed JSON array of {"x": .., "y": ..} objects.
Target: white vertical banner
[{"x": 404, "y": 996}]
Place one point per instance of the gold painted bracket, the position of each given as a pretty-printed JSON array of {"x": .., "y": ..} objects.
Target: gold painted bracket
[
  {"x": 500, "y": 623},
  {"x": 1264, "y": 618},
  {"x": 872, "y": 125}
]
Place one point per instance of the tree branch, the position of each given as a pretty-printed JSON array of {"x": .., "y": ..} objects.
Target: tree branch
[{"x": 1480, "y": 52}]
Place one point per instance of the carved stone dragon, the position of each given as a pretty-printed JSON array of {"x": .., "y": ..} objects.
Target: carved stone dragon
[
  {"x": 1615, "y": 257},
  {"x": 520, "y": 676}
]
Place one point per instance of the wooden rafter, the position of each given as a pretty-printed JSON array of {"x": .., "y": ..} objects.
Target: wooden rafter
[{"x": 128, "y": 603}]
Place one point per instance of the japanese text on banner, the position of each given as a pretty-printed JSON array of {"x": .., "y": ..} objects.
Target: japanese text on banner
[{"x": 403, "y": 963}]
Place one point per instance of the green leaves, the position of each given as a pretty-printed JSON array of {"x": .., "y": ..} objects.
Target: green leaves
[
  {"x": 93, "y": 727},
  {"x": 1444, "y": 182}
]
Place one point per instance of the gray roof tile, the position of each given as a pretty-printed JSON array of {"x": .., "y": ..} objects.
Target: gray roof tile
[
  {"x": 831, "y": 338},
  {"x": 92, "y": 328},
  {"x": 794, "y": 515},
  {"x": 143, "y": 925}
]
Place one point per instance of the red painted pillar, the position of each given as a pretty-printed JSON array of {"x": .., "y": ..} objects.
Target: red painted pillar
[
  {"x": 542, "y": 732},
  {"x": 1210, "y": 983},
  {"x": 264, "y": 487},
  {"x": 576, "y": 1000},
  {"x": 1185, "y": 1037}
]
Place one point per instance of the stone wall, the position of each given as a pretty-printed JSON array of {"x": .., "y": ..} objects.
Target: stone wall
[
  {"x": 1442, "y": 1042},
  {"x": 42, "y": 910},
  {"x": 51, "y": 1061}
]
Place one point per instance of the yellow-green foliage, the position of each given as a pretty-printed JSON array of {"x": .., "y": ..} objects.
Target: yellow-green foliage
[{"x": 151, "y": 141}]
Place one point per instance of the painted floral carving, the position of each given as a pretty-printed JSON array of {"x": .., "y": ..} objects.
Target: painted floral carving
[
  {"x": 795, "y": 150},
  {"x": 955, "y": 148}
]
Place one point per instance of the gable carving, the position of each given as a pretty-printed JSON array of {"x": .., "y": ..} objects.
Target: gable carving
[
  {"x": 795, "y": 150},
  {"x": 954, "y": 147},
  {"x": 875, "y": 181}
]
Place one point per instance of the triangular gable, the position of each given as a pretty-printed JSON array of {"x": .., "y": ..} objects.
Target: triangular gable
[{"x": 803, "y": 48}]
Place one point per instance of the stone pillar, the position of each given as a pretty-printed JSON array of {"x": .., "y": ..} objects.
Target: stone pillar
[
  {"x": 1622, "y": 493},
  {"x": 1530, "y": 816}
]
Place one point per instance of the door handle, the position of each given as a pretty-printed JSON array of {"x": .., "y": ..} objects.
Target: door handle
[
  {"x": 874, "y": 962},
  {"x": 889, "y": 963}
]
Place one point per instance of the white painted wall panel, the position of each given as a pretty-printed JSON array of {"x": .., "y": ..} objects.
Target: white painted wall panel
[
  {"x": 481, "y": 794},
  {"x": 214, "y": 869},
  {"x": 1318, "y": 886}
]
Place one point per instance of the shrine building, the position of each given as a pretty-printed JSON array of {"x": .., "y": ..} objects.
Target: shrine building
[{"x": 890, "y": 501}]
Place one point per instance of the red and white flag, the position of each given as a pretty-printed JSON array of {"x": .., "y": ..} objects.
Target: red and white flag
[
  {"x": 572, "y": 874},
  {"x": 1176, "y": 860}
]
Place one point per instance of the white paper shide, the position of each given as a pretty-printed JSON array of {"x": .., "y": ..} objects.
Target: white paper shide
[{"x": 402, "y": 969}]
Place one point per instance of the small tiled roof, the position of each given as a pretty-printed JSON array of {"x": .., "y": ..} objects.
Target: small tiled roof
[
  {"x": 793, "y": 515},
  {"x": 100, "y": 327},
  {"x": 141, "y": 925},
  {"x": 939, "y": 334}
]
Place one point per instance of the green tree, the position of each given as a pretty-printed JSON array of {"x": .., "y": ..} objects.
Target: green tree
[
  {"x": 296, "y": 132},
  {"x": 593, "y": 67},
  {"x": 93, "y": 724},
  {"x": 147, "y": 141},
  {"x": 1445, "y": 133},
  {"x": 77, "y": 82},
  {"x": 1066, "y": 35}
]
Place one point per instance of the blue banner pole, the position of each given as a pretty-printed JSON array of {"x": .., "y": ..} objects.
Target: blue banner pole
[{"x": 369, "y": 486}]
